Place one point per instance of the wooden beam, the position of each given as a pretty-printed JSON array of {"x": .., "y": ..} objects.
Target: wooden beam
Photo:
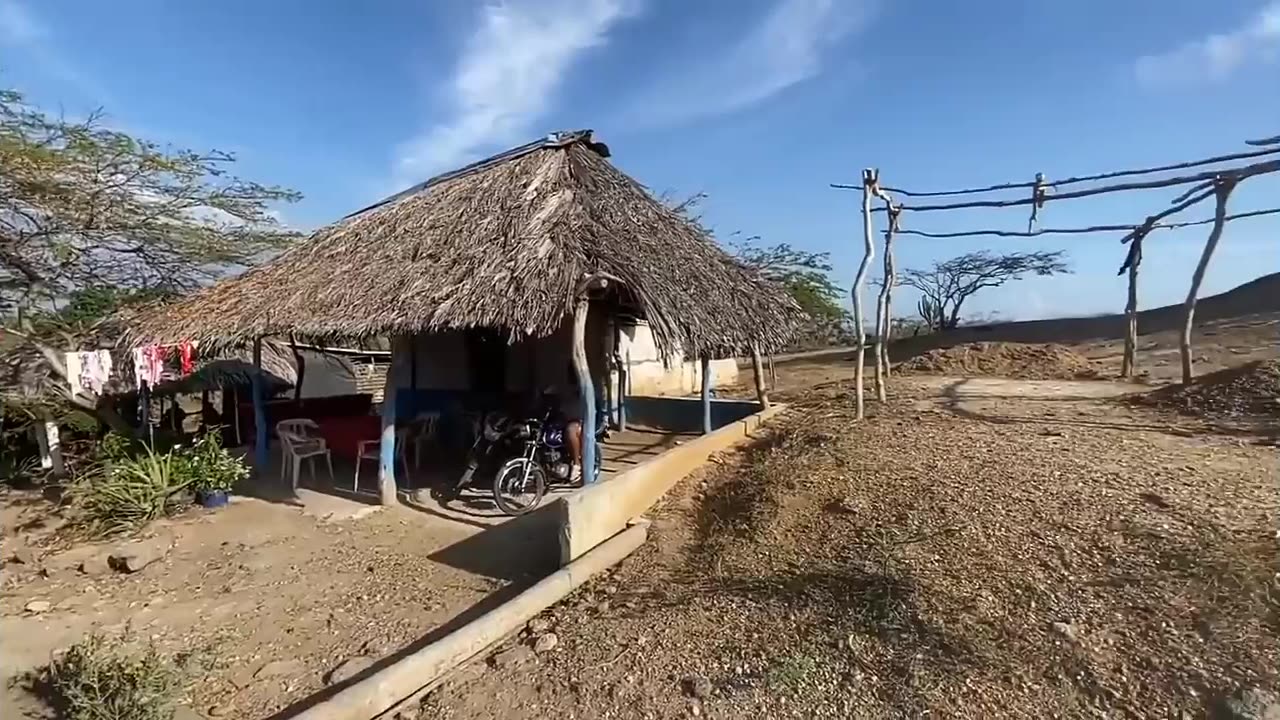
[
  {"x": 260, "y": 450},
  {"x": 706, "y": 395},
  {"x": 387, "y": 441}
]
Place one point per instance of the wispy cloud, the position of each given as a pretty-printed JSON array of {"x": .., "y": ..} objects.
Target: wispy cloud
[
  {"x": 510, "y": 70},
  {"x": 17, "y": 26},
  {"x": 22, "y": 31},
  {"x": 1216, "y": 56},
  {"x": 786, "y": 46}
]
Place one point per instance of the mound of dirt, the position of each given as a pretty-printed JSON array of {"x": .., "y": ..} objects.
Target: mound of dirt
[
  {"x": 999, "y": 359},
  {"x": 1252, "y": 389}
]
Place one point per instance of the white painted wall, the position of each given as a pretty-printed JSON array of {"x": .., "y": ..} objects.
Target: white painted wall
[{"x": 648, "y": 375}]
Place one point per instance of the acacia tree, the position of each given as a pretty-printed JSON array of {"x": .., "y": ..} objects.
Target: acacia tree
[
  {"x": 945, "y": 286},
  {"x": 87, "y": 212}
]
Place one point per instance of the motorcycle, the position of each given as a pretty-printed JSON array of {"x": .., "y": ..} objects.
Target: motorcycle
[
  {"x": 543, "y": 459},
  {"x": 523, "y": 457}
]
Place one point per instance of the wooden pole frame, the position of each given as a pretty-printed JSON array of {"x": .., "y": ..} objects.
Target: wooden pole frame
[
  {"x": 387, "y": 439},
  {"x": 1129, "y": 362}
]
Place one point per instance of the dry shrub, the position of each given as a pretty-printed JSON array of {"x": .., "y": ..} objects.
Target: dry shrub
[{"x": 101, "y": 678}]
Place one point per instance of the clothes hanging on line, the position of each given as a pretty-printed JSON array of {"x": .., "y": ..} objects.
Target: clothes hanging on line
[
  {"x": 151, "y": 362},
  {"x": 88, "y": 372}
]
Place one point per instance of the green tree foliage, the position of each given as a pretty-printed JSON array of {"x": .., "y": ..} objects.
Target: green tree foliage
[{"x": 93, "y": 218}]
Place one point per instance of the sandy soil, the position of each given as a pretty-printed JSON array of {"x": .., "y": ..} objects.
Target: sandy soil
[
  {"x": 274, "y": 595},
  {"x": 977, "y": 548}
]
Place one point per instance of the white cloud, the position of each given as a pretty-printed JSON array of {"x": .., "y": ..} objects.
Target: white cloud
[
  {"x": 17, "y": 26},
  {"x": 1216, "y": 56},
  {"x": 510, "y": 70},
  {"x": 784, "y": 47}
]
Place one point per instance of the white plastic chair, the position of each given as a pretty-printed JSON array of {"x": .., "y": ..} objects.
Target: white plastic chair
[
  {"x": 298, "y": 442},
  {"x": 423, "y": 431},
  {"x": 372, "y": 450}
]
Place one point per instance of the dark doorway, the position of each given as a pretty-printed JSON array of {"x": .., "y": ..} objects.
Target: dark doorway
[{"x": 487, "y": 360}]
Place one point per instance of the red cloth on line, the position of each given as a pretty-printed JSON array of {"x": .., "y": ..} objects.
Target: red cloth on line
[{"x": 343, "y": 434}]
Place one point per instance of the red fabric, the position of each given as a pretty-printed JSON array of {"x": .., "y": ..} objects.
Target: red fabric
[
  {"x": 343, "y": 434},
  {"x": 185, "y": 350}
]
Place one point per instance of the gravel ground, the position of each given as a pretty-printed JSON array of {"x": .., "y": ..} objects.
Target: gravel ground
[{"x": 1027, "y": 555}]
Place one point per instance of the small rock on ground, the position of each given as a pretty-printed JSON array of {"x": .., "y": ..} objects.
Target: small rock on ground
[
  {"x": 513, "y": 656},
  {"x": 697, "y": 687},
  {"x": 1066, "y": 630},
  {"x": 546, "y": 642},
  {"x": 97, "y": 565},
  {"x": 276, "y": 668},
  {"x": 38, "y": 606},
  {"x": 132, "y": 557},
  {"x": 539, "y": 625},
  {"x": 348, "y": 669}
]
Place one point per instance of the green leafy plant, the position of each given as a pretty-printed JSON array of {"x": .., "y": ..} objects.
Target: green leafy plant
[
  {"x": 210, "y": 466},
  {"x": 127, "y": 493},
  {"x": 101, "y": 678}
]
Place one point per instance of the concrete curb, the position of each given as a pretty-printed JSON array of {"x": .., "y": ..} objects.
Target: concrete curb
[
  {"x": 595, "y": 513},
  {"x": 415, "y": 674}
]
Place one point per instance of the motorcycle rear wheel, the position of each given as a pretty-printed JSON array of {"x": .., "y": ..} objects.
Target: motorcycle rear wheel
[{"x": 518, "y": 486}]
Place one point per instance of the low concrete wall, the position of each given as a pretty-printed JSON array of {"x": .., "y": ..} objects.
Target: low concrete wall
[
  {"x": 682, "y": 414},
  {"x": 598, "y": 512},
  {"x": 390, "y": 688}
]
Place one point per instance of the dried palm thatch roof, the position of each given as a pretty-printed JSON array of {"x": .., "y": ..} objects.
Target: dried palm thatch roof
[{"x": 503, "y": 243}]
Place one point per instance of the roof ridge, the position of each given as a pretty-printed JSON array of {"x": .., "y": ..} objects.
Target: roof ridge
[{"x": 560, "y": 139}]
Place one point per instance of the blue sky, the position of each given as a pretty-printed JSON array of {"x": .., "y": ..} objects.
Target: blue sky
[{"x": 761, "y": 104}]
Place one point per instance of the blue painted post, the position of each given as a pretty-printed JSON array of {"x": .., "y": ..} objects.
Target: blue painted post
[
  {"x": 586, "y": 388},
  {"x": 706, "y": 395},
  {"x": 260, "y": 450},
  {"x": 387, "y": 444}
]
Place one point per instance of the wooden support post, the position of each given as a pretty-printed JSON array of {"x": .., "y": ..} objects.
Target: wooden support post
[
  {"x": 260, "y": 450},
  {"x": 757, "y": 370},
  {"x": 235, "y": 414},
  {"x": 706, "y": 395},
  {"x": 413, "y": 362},
  {"x": 773, "y": 374},
  {"x": 1222, "y": 192},
  {"x": 387, "y": 440},
  {"x": 301, "y": 364},
  {"x": 869, "y": 250},
  {"x": 1129, "y": 363},
  {"x": 624, "y": 380},
  {"x": 586, "y": 388}
]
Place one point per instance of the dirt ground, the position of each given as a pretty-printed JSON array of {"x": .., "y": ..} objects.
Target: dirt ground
[
  {"x": 274, "y": 596},
  {"x": 977, "y": 548}
]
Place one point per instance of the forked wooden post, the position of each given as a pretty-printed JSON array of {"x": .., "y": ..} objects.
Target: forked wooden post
[
  {"x": 1129, "y": 363},
  {"x": 869, "y": 250},
  {"x": 1222, "y": 192},
  {"x": 757, "y": 370},
  {"x": 891, "y": 274},
  {"x": 881, "y": 349}
]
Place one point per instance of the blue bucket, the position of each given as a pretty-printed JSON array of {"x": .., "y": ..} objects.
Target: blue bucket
[{"x": 212, "y": 498}]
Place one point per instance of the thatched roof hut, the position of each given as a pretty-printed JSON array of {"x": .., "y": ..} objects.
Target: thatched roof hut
[{"x": 503, "y": 243}]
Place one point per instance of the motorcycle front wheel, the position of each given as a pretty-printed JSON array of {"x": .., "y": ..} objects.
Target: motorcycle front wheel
[{"x": 518, "y": 486}]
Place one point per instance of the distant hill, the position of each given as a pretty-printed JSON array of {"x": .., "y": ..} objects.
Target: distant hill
[{"x": 1254, "y": 297}]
